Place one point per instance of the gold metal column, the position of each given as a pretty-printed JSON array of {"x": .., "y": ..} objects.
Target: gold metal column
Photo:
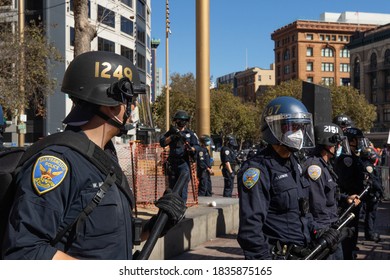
[
  {"x": 203, "y": 66},
  {"x": 167, "y": 31}
]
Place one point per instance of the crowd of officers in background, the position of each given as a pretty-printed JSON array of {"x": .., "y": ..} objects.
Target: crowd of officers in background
[{"x": 340, "y": 169}]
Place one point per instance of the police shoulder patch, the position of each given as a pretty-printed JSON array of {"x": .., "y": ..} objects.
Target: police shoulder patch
[
  {"x": 227, "y": 152},
  {"x": 48, "y": 172},
  {"x": 348, "y": 161},
  {"x": 250, "y": 177},
  {"x": 314, "y": 172}
]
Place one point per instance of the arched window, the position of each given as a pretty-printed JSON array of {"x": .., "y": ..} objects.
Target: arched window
[
  {"x": 387, "y": 57},
  {"x": 356, "y": 73},
  {"x": 344, "y": 53},
  {"x": 327, "y": 52},
  {"x": 373, "y": 61}
]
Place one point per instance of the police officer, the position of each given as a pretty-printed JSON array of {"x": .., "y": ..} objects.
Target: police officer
[
  {"x": 323, "y": 180},
  {"x": 55, "y": 186},
  {"x": 343, "y": 121},
  {"x": 183, "y": 146},
  {"x": 228, "y": 161},
  {"x": 275, "y": 221},
  {"x": 352, "y": 180},
  {"x": 204, "y": 167},
  {"x": 371, "y": 201}
]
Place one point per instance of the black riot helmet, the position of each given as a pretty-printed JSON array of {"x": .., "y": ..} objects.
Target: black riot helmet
[
  {"x": 369, "y": 154},
  {"x": 181, "y": 118},
  {"x": 330, "y": 134},
  {"x": 343, "y": 121},
  {"x": 205, "y": 139},
  {"x": 356, "y": 134},
  {"x": 286, "y": 121},
  {"x": 231, "y": 141},
  {"x": 100, "y": 78}
]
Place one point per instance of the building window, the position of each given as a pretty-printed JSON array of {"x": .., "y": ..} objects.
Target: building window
[
  {"x": 106, "y": 16},
  {"x": 327, "y": 37},
  {"x": 278, "y": 57},
  {"x": 309, "y": 66},
  {"x": 140, "y": 34},
  {"x": 386, "y": 115},
  {"x": 333, "y": 37},
  {"x": 105, "y": 45},
  {"x": 287, "y": 69},
  {"x": 127, "y": 26},
  {"x": 141, "y": 61},
  {"x": 141, "y": 8},
  {"x": 71, "y": 36},
  {"x": 373, "y": 61},
  {"x": 286, "y": 55},
  {"x": 344, "y": 53},
  {"x": 356, "y": 73},
  {"x": 309, "y": 51},
  {"x": 309, "y": 79},
  {"x": 327, "y": 52},
  {"x": 387, "y": 57},
  {"x": 259, "y": 78},
  {"x": 293, "y": 50},
  {"x": 328, "y": 81},
  {"x": 128, "y": 3},
  {"x": 327, "y": 67},
  {"x": 387, "y": 85},
  {"x": 309, "y": 37},
  {"x": 128, "y": 53},
  {"x": 294, "y": 66},
  {"x": 344, "y": 67},
  {"x": 322, "y": 37}
]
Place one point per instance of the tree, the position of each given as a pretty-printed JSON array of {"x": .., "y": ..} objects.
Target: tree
[
  {"x": 84, "y": 32},
  {"x": 38, "y": 84}
]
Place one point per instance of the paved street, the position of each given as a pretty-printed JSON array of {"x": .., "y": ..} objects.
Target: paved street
[{"x": 226, "y": 247}]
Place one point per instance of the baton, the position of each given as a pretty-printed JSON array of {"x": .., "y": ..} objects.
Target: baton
[{"x": 162, "y": 219}]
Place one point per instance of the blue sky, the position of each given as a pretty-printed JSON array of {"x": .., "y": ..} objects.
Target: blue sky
[{"x": 240, "y": 31}]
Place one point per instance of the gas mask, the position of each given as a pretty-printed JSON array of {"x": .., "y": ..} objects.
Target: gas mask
[{"x": 181, "y": 123}]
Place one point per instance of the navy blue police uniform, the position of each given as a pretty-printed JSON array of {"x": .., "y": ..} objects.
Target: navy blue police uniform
[
  {"x": 53, "y": 189},
  {"x": 350, "y": 172},
  {"x": 273, "y": 205},
  {"x": 203, "y": 164},
  {"x": 371, "y": 201},
  {"x": 324, "y": 196},
  {"x": 228, "y": 155},
  {"x": 179, "y": 158}
]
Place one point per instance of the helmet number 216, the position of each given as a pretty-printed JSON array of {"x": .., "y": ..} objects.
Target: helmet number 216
[{"x": 103, "y": 70}]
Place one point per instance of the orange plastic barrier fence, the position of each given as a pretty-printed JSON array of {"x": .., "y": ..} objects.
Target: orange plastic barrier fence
[{"x": 144, "y": 167}]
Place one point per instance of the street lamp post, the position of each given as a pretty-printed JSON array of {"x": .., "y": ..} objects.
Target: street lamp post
[
  {"x": 167, "y": 31},
  {"x": 21, "y": 128}
]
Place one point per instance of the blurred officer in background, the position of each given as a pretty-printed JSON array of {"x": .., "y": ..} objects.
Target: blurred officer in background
[
  {"x": 183, "y": 146},
  {"x": 343, "y": 121},
  {"x": 371, "y": 201},
  {"x": 352, "y": 180},
  {"x": 57, "y": 188},
  {"x": 324, "y": 193},
  {"x": 275, "y": 219},
  {"x": 229, "y": 162},
  {"x": 204, "y": 167}
]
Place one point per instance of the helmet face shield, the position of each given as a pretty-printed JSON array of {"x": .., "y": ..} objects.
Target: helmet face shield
[{"x": 292, "y": 130}]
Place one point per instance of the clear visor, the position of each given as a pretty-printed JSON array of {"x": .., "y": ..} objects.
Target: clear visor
[
  {"x": 344, "y": 144},
  {"x": 292, "y": 130}
]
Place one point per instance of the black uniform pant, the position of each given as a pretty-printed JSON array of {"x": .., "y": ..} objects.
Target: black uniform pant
[
  {"x": 370, "y": 209},
  {"x": 204, "y": 182},
  {"x": 174, "y": 171},
  {"x": 228, "y": 183},
  {"x": 349, "y": 244}
]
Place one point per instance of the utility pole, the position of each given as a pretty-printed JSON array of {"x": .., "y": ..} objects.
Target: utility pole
[
  {"x": 203, "y": 66},
  {"x": 167, "y": 31},
  {"x": 21, "y": 127}
]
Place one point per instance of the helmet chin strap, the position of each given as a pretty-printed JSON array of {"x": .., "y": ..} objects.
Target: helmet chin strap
[{"x": 123, "y": 127}]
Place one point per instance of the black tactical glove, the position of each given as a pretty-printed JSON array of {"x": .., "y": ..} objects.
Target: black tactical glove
[
  {"x": 232, "y": 174},
  {"x": 172, "y": 130},
  {"x": 173, "y": 205},
  {"x": 331, "y": 236}
]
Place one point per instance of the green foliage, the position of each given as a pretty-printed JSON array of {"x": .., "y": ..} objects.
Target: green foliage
[{"x": 33, "y": 76}]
